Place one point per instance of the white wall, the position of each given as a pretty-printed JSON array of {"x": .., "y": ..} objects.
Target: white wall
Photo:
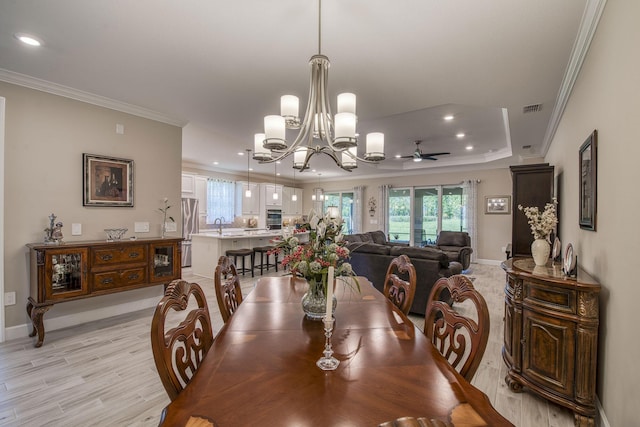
[
  {"x": 45, "y": 138},
  {"x": 606, "y": 97}
]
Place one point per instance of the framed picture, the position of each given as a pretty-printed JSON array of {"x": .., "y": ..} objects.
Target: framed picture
[
  {"x": 497, "y": 205},
  {"x": 588, "y": 182},
  {"x": 107, "y": 181}
]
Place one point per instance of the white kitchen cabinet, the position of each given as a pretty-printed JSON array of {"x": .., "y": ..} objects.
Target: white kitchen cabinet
[
  {"x": 188, "y": 185},
  {"x": 249, "y": 205},
  {"x": 267, "y": 193},
  {"x": 291, "y": 207},
  {"x": 201, "y": 194}
]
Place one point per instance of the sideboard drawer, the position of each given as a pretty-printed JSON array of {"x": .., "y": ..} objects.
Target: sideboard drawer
[
  {"x": 119, "y": 278},
  {"x": 549, "y": 296},
  {"x": 118, "y": 255}
]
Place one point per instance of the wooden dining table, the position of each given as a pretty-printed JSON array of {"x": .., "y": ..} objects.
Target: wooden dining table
[{"x": 261, "y": 369}]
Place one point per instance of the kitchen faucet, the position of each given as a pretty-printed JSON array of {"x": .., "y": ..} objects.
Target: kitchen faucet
[{"x": 215, "y": 221}]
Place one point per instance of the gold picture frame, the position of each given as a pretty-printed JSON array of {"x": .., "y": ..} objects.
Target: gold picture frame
[{"x": 107, "y": 181}]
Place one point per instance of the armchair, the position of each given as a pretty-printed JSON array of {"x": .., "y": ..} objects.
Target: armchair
[{"x": 457, "y": 246}]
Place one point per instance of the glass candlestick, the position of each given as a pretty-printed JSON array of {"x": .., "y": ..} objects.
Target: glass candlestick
[{"x": 328, "y": 362}]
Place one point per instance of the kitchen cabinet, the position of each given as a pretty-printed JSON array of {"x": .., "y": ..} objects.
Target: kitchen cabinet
[
  {"x": 201, "y": 194},
  {"x": 551, "y": 335},
  {"x": 291, "y": 207},
  {"x": 248, "y": 205},
  {"x": 267, "y": 193},
  {"x": 78, "y": 270},
  {"x": 188, "y": 185}
]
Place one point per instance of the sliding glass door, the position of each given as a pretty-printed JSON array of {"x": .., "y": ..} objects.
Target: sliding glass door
[
  {"x": 417, "y": 215},
  {"x": 344, "y": 202}
]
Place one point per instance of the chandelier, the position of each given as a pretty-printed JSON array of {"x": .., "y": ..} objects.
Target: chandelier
[{"x": 319, "y": 131}]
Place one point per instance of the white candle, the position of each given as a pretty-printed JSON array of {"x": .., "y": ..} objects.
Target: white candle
[{"x": 329, "y": 294}]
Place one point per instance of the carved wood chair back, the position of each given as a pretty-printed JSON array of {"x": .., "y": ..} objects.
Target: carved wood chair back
[
  {"x": 398, "y": 290},
  {"x": 227, "y": 286},
  {"x": 178, "y": 351},
  {"x": 415, "y": 422},
  {"x": 458, "y": 337}
]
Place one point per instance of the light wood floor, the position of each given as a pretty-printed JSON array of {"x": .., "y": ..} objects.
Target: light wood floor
[{"x": 102, "y": 373}]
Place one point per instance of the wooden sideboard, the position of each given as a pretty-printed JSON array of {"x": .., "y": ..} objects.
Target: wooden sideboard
[
  {"x": 551, "y": 335},
  {"x": 78, "y": 270}
]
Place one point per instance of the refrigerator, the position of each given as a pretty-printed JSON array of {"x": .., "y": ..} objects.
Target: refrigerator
[{"x": 189, "y": 227}]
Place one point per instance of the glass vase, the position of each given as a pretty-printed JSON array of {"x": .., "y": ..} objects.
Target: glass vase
[
  {"x": 540, "y": 250},
  {"x": 314, "y": 301}
]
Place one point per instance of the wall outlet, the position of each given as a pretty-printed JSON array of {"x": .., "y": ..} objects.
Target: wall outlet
[
  {"x": 76, "y": 229},
  {"x": 9, "y": 298},
  {"x": 170, "y": 226},
  {"x": 141, "y": 227}
]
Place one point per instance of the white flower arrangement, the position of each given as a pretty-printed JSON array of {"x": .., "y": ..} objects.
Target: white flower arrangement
[{"x": 541, "y": 223}]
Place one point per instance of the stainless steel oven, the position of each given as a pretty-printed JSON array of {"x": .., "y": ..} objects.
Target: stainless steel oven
[{"x": 274, "y": 219}]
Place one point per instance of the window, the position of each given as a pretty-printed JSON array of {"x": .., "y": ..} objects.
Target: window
[
  {"x": 220, "y": 200},
  {"x": 344, "y": 202}
]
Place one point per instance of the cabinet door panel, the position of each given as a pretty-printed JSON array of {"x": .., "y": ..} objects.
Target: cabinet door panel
[
  {"x": 549, "y": 351},
  {"x": 65, "y": 274}
]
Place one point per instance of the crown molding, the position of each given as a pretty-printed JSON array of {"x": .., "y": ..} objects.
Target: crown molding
[
  {"x": 89, "y": 98},
  {"x": 590, "y": 18}
]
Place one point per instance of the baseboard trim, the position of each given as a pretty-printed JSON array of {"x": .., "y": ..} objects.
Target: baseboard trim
[
  {"x": 21, "y": 331},
  {"x": 602, "y": 420},
  {"x": 488, "y": 261}
]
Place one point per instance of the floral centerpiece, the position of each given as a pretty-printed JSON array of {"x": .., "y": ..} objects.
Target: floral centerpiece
[
  {"x": 542, "y": 224},
  {"x": 311, "y": 260}
]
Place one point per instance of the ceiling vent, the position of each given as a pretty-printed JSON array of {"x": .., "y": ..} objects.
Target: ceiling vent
[{"x": 533, "y": 108}]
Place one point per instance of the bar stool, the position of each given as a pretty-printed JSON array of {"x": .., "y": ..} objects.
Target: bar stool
[
  {"x": 264, "y": 251},
  {"x": 244, "y": 252}
]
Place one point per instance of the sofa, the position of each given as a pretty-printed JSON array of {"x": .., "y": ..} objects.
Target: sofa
[
  {"x": 457, "y": 246},
  {"x": 371, "y": 260}
]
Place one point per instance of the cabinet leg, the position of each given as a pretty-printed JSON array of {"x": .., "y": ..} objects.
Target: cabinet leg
[
  {"x": 36, "y": 314},
  {"x": 584, "y": 421},
  {"x": 514, "y": 385}
]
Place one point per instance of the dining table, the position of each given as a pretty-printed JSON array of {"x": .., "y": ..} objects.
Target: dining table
[{"x": 261, "y": 369}]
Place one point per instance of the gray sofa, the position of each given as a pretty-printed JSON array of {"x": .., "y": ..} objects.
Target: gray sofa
[
  {"x": 371, "y": 260},
  {"x": 457, "y": 246}
]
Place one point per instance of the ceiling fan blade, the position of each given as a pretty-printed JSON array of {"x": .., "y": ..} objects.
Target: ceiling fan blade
[{"x": 427, "y": 155}]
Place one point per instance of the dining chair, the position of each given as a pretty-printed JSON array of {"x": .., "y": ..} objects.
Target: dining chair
[
  {"x": 398, "y": 290},
  {"x": 178, "y": 351},
  {"x": 227, "y": 286},
  {"x": 415, "y": 422},
  {"x": 457, "y": 336}
]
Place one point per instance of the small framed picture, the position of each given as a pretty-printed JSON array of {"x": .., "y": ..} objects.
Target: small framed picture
[
  {"x": 107, "y": 181},
  {"x": 497, "y": 205},
  {"x": 588, "y": 182}
]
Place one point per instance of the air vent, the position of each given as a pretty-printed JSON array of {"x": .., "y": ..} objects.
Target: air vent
[
  {"x": 526, "y": 147},
  {"x": 533, "y": 108}
]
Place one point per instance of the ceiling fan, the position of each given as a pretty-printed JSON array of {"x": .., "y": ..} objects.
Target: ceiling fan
[{"x": 418, "y": 155}]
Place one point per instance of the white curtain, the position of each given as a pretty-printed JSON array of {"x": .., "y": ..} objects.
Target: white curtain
[
  {"x": 358, "y": 194},
  {"x": 220, "y": 200},
  {"x": 383, "y": 208},
  {"x": 470, "y": 190}
]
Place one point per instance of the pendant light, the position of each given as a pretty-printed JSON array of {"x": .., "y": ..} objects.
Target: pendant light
[
  {"x": 247, "y": 193},
  {"x": 275, "y": 186},
  {"x": 294, "y": 196}
]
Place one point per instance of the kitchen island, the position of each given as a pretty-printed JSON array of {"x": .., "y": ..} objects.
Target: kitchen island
[{"x": 209, "y": 246}]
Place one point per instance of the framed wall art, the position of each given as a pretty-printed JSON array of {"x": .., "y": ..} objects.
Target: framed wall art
[
  {"x": 497, "y": 205},
  {"x": 107, "y": 181},
  {"x": 588, "y": 182}
]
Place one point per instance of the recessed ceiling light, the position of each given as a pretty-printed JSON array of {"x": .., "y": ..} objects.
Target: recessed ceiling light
[
  {"x": 460, "y": 135},
  {"x": 215, "y": 163},
  {"x": 469, "y": 147},
  {"x": 278, "y": 174},
  {"x": 28, "y": 39},
  {"x": 449, "y": 117},
  {"x": 398, "y": 156},
  {"x": 241, "y": 153},
  {"x": 251, "y": 169}
]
